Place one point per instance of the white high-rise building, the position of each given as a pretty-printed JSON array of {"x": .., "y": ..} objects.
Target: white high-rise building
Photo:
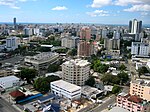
[
  {"x": 11, "y": 43},
  {"x": 76, "y": 71},
  {"x": 135, "y": 26},
  {"x": 139, "y": 48}
]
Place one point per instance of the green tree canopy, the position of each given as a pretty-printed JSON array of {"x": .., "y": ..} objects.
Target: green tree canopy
[
  {"x": 116, "y": 89},
  {"x": 27, "y": 73},
  {"x": 53, "y": 68},
  {"x": 123, "y": 77},
  {"x": 43, "y": 84},
  {"x": 90, "y": 81},
  {"x": 122, "y": 67},
  {"x": 142, "y": 71}
]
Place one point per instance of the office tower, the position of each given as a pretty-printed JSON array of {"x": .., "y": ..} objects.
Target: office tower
[
  {"x": 135, "y": 27},
  {"x": 15, "y": 24},
  {"x": 139, "y": 48},
  {"x": 76, "y": 71},
  {"x": 85, "y": 33},
  {"x": 130, "y": 26},
  {"x": 85, "y": 48}
]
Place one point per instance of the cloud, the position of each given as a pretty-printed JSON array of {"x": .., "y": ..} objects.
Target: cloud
[
  {"x": 144, "y": 13},
  {"x": 98, "y": 13},
  {"x": 100, "y": 3},
  {"x": 60, "y": 8},
  {"x": 12, "y": 3},
  {"x": 131, "y": 2},
  {"x": 137, "y": 8}
]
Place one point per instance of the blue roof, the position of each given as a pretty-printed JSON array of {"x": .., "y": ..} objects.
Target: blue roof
[
  {"x": 29, "y": 98},
  {"x": 54, "y": 108},
  {"x": 44, "y": 98}
]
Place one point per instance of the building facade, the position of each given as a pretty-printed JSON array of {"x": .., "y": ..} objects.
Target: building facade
[
  {"x": 85, "y": 33},
  {"x": 110, "y": 44},
  {"x": 85, "y": 48},
  {"x": 132, "y": 103},
  {"x": 70, "y": 42},
  {"x": 11, "y": 43},
  {"x": 76, "y": 71},
  {"x": 65, "y": 89},
  {"x": 41, "y": 61},
  {"x": 141, "y": 49},
  {"x": 135, "y": 26},
  {"x": 140, "y": 88}
]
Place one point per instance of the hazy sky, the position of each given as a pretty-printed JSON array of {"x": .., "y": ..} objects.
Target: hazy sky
[{"x": 75, "y": 11}]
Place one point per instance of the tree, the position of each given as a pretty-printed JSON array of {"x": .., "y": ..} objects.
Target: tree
[
  {"x": 90, "y": 81},
  {"x": 123, "y": 77},
  {"x": 73, "y": 52},
  {"x": 110, "y": 79},
  {"x": 53, "y": 68},
  {"x": 116, "y": 89},
  {"x": 28, "y": 74},
  {"x": 122, "y": 67},
  {"x": 142, "y": 70},
  {"x": 43, "y": 84}
]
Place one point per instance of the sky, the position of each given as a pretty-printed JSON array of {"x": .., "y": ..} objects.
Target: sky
[{"x": 75, "y": 11}]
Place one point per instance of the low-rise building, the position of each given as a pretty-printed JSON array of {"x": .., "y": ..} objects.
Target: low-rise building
[
  {"x": 140, "y": 88},
  {"x": 9, "y": 81},
  {"x": 132, "y": 103},
  {"x": 65, "y": 89},
  {"x": 41, "y": 61}
]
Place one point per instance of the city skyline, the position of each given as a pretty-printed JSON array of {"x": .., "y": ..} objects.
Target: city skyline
[{"x": 75, "y": 11}]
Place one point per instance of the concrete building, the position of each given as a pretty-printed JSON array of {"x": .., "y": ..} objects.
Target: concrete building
[
  {"x": 65, "y": 89},
  {"x": 85, "y": 33},
  {"x": 69, "y": 42},
  {"x": 9, "y": 81},
  {"x": 85, "y": 49},
  {"x": 140, "y": 88},
  {"x": 41, "y": 61},
  {"x": 11, "y": 43},
  {"x": 76, "y": 71},
  {"x": 140, "y": 49},
  {"x": 132, "y": 103},
  {"x": 28, "y": 31},
  {"x": 135, "y": 26},
  {"x": 110, "y": 44}
]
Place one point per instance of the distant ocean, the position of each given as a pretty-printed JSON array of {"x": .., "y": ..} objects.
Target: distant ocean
[{"x": 10, "y": 23}]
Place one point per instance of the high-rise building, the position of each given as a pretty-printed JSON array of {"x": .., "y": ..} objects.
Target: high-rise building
[
  {"x": 85, "y": 48},
  {"x": 110, "y": 44},
  {"x": 11, "y": 43},
  {"x": 15, "y": 23},
  {"x": 69, "y": 42},
  {"x": 139, "y": 48},
  {"x": 85, "y": 33},
  {"x": 135, "y": 26},
  {"x": 76, "y": 71}
]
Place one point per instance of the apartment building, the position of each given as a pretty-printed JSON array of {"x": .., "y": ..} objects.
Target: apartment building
[
  {"x": 140, "y": 88},
  {"x": 76, "y": 71},
  {"x": 69, "y": 42},
  {"x": 65, "y": 89},
  {"x": 132, "y": 103},
  {"x": 141, "y": 49}
]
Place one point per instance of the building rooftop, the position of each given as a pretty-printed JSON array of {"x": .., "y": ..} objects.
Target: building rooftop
[
  {"x": 66, "y": 85},
  {"x": 42, "y": 56},
  {"x": 16, "y": 94},
  {"x": 118, "y": 109},
  {"x": 8, "y": 78},
  {"x": 142, "y": 82},
  {"x": 77, "y": 62}
]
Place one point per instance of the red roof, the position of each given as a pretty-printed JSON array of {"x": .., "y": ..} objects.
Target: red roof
[
  {"x": 16, "y": 94},
  {"x": 135, "y": 99}
]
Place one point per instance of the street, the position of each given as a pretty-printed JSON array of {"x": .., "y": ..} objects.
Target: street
[
  {"x": 104, "y": 105},
  {"x": 6, "y": 107}
]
